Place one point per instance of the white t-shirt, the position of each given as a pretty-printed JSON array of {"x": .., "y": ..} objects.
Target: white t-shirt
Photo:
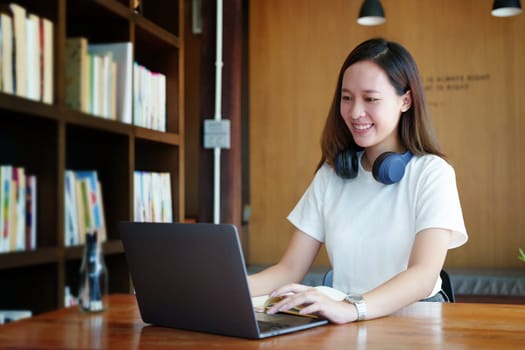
[{"x": 369, "y": 228}]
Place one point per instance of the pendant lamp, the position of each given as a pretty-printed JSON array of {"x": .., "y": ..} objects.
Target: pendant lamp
[
  {"x": 506, "y": 8},
  {"x": 371, "y": 13}
]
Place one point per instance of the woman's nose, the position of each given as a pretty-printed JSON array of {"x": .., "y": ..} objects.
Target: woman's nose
[{"x": 356, "y": 110}]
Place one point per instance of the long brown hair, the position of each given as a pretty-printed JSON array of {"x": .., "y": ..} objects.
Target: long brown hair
[{"x": 415, "y": 128}]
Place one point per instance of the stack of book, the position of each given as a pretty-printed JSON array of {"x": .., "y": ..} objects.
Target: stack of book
[
  {"x": 149, "y": 98},
  {"x": 17, "y": 209},
  {"x": 26, "y": 54},
  {"x": 152, "y": 197},
  {"x": 103, "y": 80},
  {"x": 84, "y": 206},
  {"x": 98, "y": 78}
]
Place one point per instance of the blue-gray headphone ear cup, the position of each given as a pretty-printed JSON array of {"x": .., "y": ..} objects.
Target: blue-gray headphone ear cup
[
  {"x": 389, "y": 167},
  {"x": 346, "y": 164}
]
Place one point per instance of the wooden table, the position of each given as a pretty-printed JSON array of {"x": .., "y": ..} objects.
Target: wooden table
[{"x": 419, "y": 326}]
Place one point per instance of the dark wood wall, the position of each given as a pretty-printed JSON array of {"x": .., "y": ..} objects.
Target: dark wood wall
[{"x": 200, "y": 102}]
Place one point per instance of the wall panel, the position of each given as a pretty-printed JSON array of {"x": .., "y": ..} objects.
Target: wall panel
[{"x": 473, "y": 66}]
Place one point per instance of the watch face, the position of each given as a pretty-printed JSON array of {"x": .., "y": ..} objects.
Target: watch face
[{"x": 354, "y": 297}]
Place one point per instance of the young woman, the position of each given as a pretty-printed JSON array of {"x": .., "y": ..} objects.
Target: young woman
[{"x": 383, "y": 200}]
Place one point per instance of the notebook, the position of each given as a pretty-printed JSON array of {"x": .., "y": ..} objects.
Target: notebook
[{"x": 193, "y": 277}]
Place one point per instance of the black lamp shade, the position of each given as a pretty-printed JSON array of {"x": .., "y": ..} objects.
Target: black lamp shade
[
  {"x": 371, "y": 13},
  {"x": 506, "y": 8}
]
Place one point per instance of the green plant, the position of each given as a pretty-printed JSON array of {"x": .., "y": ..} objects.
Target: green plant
[{"x": 522, "y": 255}]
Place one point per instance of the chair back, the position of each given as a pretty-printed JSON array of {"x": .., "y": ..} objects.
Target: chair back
[
  {"x": 446, "y": 286},
  {"x": 328, "y": 279}
]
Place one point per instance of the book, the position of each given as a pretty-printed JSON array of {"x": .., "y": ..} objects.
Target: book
[
  {"x": 6, "y": 24},
  {"x": 6, "y": 172},
  {"x": 95, "y": 198},
  {"x": 77, "y": 74},
  {"x": 46, "y": 39},
  {"x": 72, "y": 235},
  {"x": 33, "y": 71},
  {"x": 167, "y": 208},
  {"x": 100, "y": 207},
  {"x": 138, "y": 203},
  {"x": 19, "y": 34},
  {"x": 2, "y": 223},
  {"x": 84, "y": 209},
  {"x": 122, "y": 55},
  {"x": 95, "y": 86},
  {"x": 264, "y": 302},
  {"x": 104, "y": 87},
  {"x": 19, "y": 235},
  {"x": 14, "y": 215},
  {"x": 31, "y": 199}
]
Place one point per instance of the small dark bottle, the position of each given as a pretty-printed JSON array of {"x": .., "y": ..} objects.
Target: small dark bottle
[{"x": 93, "y": 288}]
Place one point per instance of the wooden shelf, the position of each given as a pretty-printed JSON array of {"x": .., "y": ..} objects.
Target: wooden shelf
[
  {"x": 22, "y": 106},
  {"x": 89, "y": 121},
  {"x": 46, "y": 255},
  {"x": 49, "y": 139},
  {"x": 111, "y": 247},
  {"x": 157, "y": 136}
]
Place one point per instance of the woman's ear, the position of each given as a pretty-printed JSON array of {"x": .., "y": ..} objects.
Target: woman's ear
[{"x": 407, "y": 101}]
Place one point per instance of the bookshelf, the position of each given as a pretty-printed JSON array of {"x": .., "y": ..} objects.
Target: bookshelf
[{"x": 47, "y": 139}]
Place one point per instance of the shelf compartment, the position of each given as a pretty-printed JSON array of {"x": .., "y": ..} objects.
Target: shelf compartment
[
  {"x": 166, "y": 61},
  {"x": 30, "y": 288},
  {"x": 100, "y": 20},
  {"x": 145, "y": 30},
  {"x": 161, "y": 13},
  {"x": 155, "y": 157},
  {"x": 38, "y": 156},
  {"x": 109, "y": 155}
]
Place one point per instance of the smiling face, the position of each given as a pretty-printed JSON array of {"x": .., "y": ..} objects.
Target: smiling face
[{"x": 371, "y": 108}]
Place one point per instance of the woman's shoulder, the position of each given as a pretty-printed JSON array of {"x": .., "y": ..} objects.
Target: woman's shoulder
[
  {"x": 431, "y": 166},
  {"x": 431, "y": 161},
  {"x": 325, "y": 170},
  {"x": 325, "y": 175}
]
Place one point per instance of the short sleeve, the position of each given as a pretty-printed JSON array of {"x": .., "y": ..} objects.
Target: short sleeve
[
  {"x": 439, "y": 204},
  {"x": 307, "y": 215}
]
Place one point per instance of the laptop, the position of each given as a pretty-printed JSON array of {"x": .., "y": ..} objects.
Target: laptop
[{"x": 193, "y": 277}]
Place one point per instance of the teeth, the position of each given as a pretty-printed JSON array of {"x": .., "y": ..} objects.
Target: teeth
[{"x": 362, "y": 126}]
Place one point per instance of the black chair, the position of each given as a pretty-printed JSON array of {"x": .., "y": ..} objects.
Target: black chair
[
  {"x": 328, "y": 279},
  {"x": 447, "y": 289}
]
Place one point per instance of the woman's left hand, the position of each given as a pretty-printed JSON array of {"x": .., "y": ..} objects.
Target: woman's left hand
[{"x": 314, "y": 302}]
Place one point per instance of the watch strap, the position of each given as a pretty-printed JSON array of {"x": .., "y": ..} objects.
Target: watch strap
[{"x": 360, "y": 305}]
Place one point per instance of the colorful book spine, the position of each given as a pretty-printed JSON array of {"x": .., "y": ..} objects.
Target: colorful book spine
[{"x": 152, "y": 197}]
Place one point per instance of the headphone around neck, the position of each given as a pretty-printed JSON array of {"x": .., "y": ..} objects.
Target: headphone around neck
[{"x": 387, "y": 169}]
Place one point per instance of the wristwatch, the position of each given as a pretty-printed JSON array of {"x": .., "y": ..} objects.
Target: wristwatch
[{"x": 360, "y": 305}]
